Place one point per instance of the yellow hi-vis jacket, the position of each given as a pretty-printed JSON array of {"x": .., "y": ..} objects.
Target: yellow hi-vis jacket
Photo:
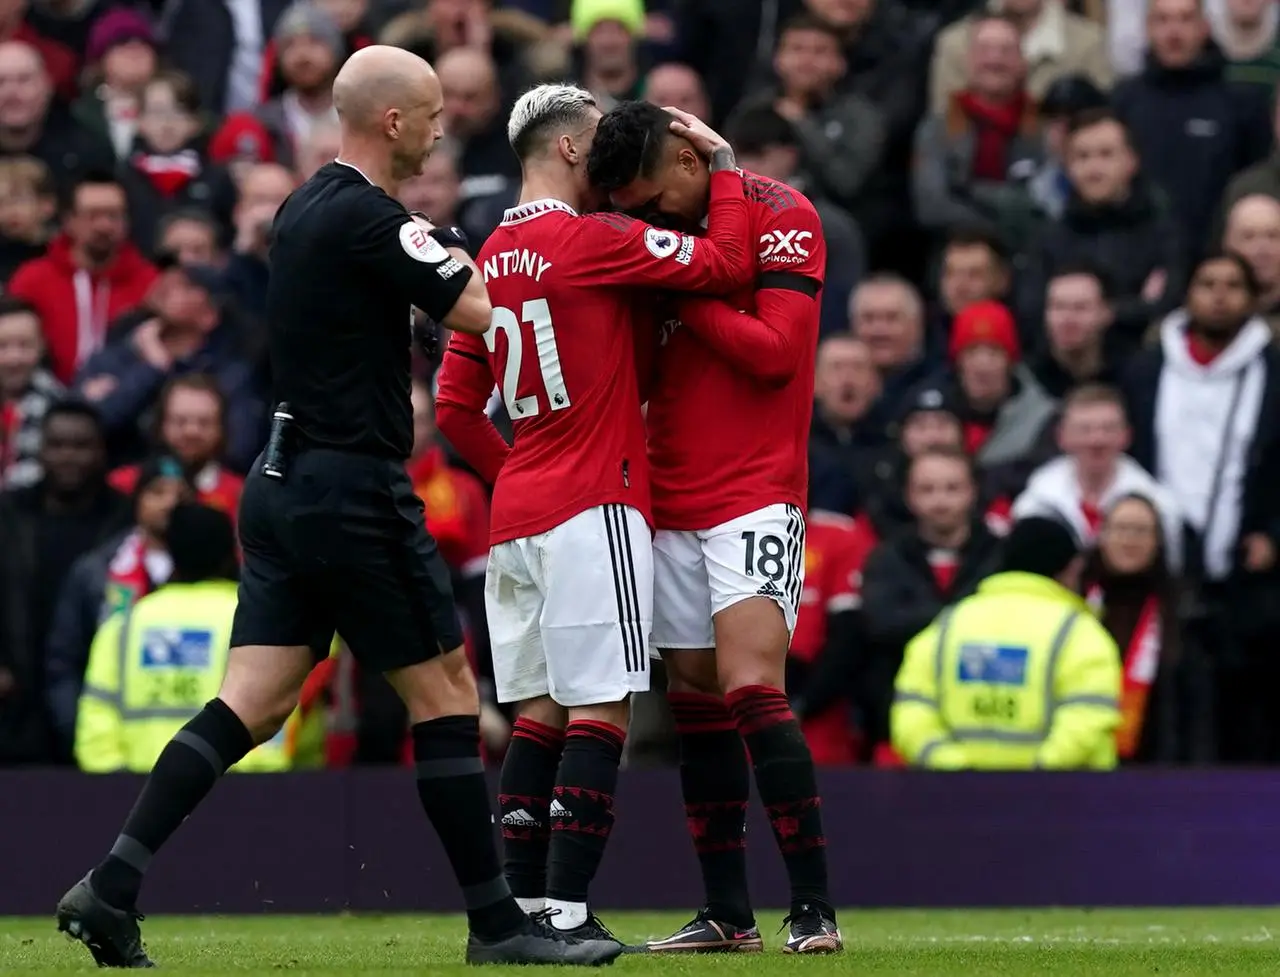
[
  {"x": 1019, "y": 676},
  {"x": 151, "y": 669}
]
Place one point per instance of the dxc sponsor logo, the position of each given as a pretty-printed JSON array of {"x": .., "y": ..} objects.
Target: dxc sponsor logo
[{"x": 783, "y": 245}]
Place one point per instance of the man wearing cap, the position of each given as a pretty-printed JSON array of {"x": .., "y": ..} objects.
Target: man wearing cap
[
  {"x": 608, "y": 32},
  {"x": 1020, "y": 676},
  {"x": 189, "y": 329},
  {"x": 1005, "y": 411},
  {"x": 310, "y": 48}
]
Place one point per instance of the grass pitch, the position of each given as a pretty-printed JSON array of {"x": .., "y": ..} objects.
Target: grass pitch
[{"x": 1071, "y": 943}]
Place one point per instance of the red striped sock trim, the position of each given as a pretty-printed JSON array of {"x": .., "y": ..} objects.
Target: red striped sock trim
[
  {"x": 757, "y": 707},
  {"x": 595, "y": 729},
  {"x": 540, "y": 733},
  {"x": 695, "y": 712}
]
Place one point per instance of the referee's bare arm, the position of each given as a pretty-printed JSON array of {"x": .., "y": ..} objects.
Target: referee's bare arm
[{"x": 442, "y": 282}]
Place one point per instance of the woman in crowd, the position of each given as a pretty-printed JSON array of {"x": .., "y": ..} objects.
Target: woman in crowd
[{"x": 1128, "y": 583}]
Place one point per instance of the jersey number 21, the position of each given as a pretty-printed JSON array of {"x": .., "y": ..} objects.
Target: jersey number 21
[{"x": 537, "y": 314}]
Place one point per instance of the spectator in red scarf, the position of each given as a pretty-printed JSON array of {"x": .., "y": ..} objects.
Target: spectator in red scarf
[
  {"x": 910, "y": 577},
  {"x": 310, "y": 49},
  {"x": 105, "y": 581},
  {"x": 191, "y": 427},
  {"x": 120, "y": 59},
  {"x": 1128, "y": 583},
  {"x": 27, "y": 391},
  {"x": 59, "y": 60},
  {"x": 166, "y": 170},
  {"x": 91, "y": 275},
  {"x": 44, "y": 529},
  {"x": 973, "y": 160}
]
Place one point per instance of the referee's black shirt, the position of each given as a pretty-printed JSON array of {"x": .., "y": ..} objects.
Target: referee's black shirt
[{"x": 347, "y": 264}]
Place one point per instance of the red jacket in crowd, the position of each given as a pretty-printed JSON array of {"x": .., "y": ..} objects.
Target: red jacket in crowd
[
  {"x": 77, "y": 305},
  {"x": 834, "y": 551}
]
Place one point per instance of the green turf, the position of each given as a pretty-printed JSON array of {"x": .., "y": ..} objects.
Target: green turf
[{"x": 1078, "y": 943}]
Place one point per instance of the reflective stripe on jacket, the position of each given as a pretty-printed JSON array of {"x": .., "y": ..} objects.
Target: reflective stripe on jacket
[{"x": 1019, "y": 676}]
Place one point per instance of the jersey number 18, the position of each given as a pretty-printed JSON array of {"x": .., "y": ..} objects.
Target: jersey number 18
[{"x": 537, "y": 314}]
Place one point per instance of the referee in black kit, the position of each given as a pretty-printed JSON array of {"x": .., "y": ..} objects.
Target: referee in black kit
[{"x": 332, "y": 533}]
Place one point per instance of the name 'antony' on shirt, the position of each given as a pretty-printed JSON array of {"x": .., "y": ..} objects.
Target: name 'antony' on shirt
[{"x": 520, "y": 261}]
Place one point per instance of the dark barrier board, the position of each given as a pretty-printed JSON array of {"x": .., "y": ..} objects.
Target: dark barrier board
[{"x": 323, "y": 842}]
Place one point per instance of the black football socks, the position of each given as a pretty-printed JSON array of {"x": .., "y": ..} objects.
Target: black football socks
[
  {"x": 524, "y": 798},
  {"x": 186, "y": 770},
  {"x": 453, "y": 792},
  {"x": 788, "y": 789},
  {"x": 581, "y": 816},
  {"x": 716, "y": 780}
]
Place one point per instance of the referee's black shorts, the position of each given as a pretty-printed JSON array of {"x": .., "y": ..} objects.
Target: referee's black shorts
[{"x": 341, "y": 545}]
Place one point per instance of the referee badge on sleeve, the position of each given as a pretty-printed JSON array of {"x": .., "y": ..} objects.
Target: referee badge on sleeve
[{"x": 421, "y": 246}]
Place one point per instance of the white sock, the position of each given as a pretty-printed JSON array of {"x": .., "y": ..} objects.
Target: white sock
[
  {"x": 531, "y": 906},
  {"x": 571, "y": 914}
]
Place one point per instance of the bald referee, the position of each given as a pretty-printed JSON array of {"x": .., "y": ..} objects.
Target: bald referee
[{"x": 332, "y": 533}]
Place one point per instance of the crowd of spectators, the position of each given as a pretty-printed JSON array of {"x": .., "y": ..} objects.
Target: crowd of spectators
[{"x": 1053, "y": 287}]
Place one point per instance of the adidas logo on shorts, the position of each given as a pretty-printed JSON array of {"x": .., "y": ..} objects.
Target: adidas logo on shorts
[
  {"x": 558, "y": 810},
  {"x": 520, "y": 819},
  {"x": 769, "y": 590}
]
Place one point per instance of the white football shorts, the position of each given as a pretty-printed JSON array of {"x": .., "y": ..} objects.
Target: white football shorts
[
  {"x": 699, "y": 574},
  {"x": 570, "y": 610}
]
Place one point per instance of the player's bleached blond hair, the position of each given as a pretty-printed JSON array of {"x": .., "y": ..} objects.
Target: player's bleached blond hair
[{"x": 542, "y": 109}]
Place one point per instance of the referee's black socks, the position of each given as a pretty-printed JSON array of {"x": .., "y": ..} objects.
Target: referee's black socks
[
  {"x": 453, "y": 792},
  {"x": 186, "y": 770}
]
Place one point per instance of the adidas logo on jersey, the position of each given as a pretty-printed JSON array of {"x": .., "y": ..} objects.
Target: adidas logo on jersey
[
  {"x": 520, "y": 819},
  {"x": 769, "y": 590},
  {"x": 558, "y": 810}
]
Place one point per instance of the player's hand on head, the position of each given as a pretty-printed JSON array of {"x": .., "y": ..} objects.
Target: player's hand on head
[{"x": 703, "y": 138}]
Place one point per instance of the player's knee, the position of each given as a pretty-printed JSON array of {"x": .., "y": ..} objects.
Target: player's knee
[
  {"x": 544, "y": 710},
  {"x": 613, "y": 713},
  {"x": 751, "y": 644},
  {"x": 691, "y": 671}
]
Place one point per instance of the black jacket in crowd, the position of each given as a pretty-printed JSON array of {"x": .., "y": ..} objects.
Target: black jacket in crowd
[
  {"x": 1194, "y": 130},
  {"x": 37, "y": 550},
  {"x": 1128, "y": 241},
  {"x": 900, "y": 597}
]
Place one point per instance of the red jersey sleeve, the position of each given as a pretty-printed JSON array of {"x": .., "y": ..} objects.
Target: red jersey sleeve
[
  {"x": 464, "y": 385},
  {"x": 476, "y": 555},
  {"x": 768, "y": 345},
  {"x": 618, "y": 250}
]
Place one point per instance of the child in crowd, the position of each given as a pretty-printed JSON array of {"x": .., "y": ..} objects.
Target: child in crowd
[{"x": 28, "y": 203}]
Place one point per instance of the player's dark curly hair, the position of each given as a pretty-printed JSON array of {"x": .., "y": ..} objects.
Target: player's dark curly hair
[{"x": 628, "y": 144}]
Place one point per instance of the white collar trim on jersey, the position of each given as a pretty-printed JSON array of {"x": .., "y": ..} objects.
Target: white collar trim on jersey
[
  {"x": 535, "y": 208},
  {"x": 356, "y": 168}
]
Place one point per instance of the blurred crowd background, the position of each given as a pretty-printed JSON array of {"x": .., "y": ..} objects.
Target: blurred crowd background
[{"x": 1053, "y": 287}]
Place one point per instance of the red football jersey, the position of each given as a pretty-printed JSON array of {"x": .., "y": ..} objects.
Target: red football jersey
[
  {"x": 834, "y": 552},
  {"x": 568, "y": 294},
  {"x": 728, "y": 418}
]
